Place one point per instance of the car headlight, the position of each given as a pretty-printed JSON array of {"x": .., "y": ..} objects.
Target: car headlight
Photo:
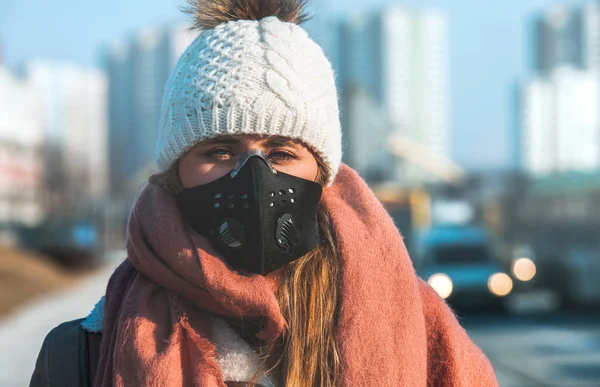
[
  {"x": 500, "y": 284},
  {"x": 442, "y": 284},
  {"x": 524, "y": 269}
]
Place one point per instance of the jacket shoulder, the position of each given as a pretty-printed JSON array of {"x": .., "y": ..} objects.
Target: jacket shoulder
[{"x": 62, "y": 358}]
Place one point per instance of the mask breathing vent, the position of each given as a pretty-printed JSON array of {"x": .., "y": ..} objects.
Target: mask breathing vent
[
  {"x": 232, "y": 233},
  {"x": 286, "y": 233}
]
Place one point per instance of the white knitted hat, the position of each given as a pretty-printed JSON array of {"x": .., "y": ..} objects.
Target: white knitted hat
[{"x": 262, "y": 77}]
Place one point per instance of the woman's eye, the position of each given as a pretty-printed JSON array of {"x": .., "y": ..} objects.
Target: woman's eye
[
  {"x": 221, "y": 153},
  {"x": 281, "y": 156}
]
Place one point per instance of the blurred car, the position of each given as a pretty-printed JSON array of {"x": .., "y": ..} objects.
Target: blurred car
[
  {"x": 457, "y": 261},
  {"x": 71, "y": 244}
]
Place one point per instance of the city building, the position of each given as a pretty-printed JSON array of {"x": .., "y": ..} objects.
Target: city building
[
  {"x": 119, "y": 103},
  {"x": 558, "y": 115},
  {"x": 560, "y": 122},
  {"x": 21, "y": 150},
  {"x": 393, "y": 63},
  {"x": 137, "y": 71},
  {"x": 515, "y": 138},
  {"x": 566, "y": 36},
  {"x": 74, "y": 119}
]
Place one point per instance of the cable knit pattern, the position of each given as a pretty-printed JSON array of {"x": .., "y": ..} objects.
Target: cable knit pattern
[{"x": 262, "y": 77}]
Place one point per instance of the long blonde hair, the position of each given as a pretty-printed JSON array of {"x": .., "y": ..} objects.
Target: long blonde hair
[{"x": 308, "y": 292}]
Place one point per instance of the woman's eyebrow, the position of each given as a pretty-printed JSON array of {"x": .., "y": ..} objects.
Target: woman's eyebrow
[
  {"x": 281, "y": 141},
  {"x": 222, "y": 140}
]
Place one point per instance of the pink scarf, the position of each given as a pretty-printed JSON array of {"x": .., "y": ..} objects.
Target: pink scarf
[{"x": 393, "y": 329}]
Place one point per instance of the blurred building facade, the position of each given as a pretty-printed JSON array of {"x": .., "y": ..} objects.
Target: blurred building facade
[
  {"x": 137, "y": 71},
  {"x": 558, "y": 116},
  {"x": 561, "y": 122},
  {"x": 567, "y": 36},
  {"x": 392, "y": 73},
  {"x": 73, "y": 103},
  {"x": 21, "y": 153}
]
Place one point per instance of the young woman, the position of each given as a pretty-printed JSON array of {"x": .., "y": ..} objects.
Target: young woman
[{"x": 255, "y": 257}]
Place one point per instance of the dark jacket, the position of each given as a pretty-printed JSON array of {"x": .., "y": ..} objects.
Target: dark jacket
[{"x": 68, "y": 357}]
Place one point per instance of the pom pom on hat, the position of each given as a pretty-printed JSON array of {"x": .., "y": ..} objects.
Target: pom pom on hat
[{"x": 210, "y": 13}]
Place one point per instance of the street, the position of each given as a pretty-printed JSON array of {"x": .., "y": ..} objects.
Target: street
[
  {"x": 22, "y": 333},
  {"x": 544, "y": 350}
]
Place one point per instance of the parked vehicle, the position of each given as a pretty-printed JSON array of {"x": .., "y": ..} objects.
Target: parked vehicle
[
  {"x": 70, "y": 244},
  {"x": 459, "y": 263},
  {"x": 553, "y": 221}
]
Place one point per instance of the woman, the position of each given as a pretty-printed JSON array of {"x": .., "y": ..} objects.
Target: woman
[{"x": 255, "y": 257}]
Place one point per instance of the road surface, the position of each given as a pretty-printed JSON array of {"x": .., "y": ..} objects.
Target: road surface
[
  {"x": 544, "y": 350},
  {"x": 549, "y": 350}
]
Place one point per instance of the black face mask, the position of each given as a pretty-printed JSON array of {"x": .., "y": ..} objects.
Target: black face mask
[{"x": 258, "y": 218}]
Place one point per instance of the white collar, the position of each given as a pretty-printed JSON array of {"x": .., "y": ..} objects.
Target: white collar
[{"x": 237, "y": 360}]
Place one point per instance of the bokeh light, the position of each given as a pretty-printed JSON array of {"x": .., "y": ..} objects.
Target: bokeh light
[
  {"x": 442, "y": 284},
  {"x": 524, "y": 269},
  {"x": 500, "y": 284}
]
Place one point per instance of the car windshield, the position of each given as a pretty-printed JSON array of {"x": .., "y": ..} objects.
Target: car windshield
[{"x": 461, "y": 254}]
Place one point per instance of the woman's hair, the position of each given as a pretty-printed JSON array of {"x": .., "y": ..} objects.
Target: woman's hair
[{"x": 307, "y": 355}]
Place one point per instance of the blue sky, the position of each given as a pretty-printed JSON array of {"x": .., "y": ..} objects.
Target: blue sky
[{"x": 487, "y": 52}]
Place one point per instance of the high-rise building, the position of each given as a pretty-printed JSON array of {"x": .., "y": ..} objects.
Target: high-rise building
[
  {"x": 415, "y": 88},
  {"x": 567, "y": 36},
  {"x": 21, "y": 150},
  {"x": 151, "y": 64},
  {"x": 137, "y": 72},
  {"x": 357, "y": 74},
  {"x": 74, "y": 112},
  {"x": 559, "y": 115},
  {"x": 117, "y": 66},
  {"x": 560, "y": 122},
  {"x": 591, "y": 36},
  {"x": 394, "y": 62},
  {"x": 515, "y": 138}
]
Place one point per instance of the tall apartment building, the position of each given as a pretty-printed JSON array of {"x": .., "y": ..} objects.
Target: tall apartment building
[
  {"x": 561, "y": 122},
  {"x": 137, "y": 71},
  {"x": 393, "y": 63},
  {"x": 74, "y": 119},
  {"x": 566, "y": 36},
  {"x": 559, "y": 118},
  {"x": 21, "y": 153}
]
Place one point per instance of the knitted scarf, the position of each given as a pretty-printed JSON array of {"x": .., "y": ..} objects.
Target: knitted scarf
[{"x": 393, "y": 329}]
